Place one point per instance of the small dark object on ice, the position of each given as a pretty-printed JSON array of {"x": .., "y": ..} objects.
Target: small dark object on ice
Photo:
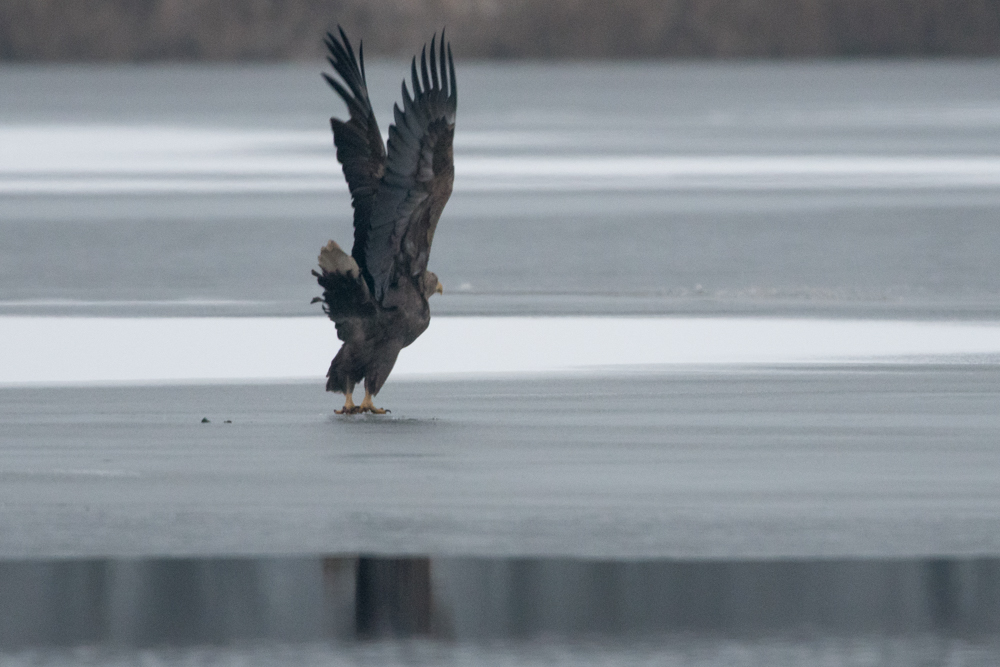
[
  {"x": 204, "y": 420},
  {"x": 377, "y": 296},
  {"x": 229, "y": 421}
]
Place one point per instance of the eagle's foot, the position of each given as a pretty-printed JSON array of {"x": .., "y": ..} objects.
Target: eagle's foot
[
  {"x": 367, "y": 406},
  {"x": 349, "y": 407}
]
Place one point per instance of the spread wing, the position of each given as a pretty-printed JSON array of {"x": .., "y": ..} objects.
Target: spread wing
[
  {"x": 419, "y": 172},
  {"x": 358, "y": 141}
]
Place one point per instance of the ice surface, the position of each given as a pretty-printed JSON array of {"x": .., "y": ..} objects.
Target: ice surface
[
  {"x": 53, "y": 350},
  {"x": 683, "y": 652},
  {"x": 869, "y": 461},
  {"x": 798, "y": 189},
  {"x": 117, "y": 159}
]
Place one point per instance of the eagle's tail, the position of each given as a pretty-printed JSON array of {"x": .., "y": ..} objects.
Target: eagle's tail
[{"x": 345, "y": 292}]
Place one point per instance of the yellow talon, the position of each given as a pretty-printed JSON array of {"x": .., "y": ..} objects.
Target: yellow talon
[
  {"x": 367, "y": 406},
  {"x": 349, "y": 407}
]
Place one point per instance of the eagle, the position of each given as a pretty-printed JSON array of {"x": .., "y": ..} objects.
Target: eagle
[{"x": 378, "y": 295}]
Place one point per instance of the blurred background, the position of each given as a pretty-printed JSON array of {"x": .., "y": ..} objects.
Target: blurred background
[{"x": 123, "y": 30}]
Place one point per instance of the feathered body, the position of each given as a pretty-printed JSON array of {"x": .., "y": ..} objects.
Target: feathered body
[{"x": 378, "y": 295}]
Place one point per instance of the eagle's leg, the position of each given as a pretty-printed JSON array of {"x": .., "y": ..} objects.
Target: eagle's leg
[
  {"x": 367, "y": 406},
  {"x": 349, "y": 407}
]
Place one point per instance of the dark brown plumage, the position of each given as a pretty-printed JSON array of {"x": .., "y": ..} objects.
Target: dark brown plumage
[{"x": 377, "y": 295}]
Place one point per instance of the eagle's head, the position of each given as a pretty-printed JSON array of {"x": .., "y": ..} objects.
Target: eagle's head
[{"x": 429, "y": 285}]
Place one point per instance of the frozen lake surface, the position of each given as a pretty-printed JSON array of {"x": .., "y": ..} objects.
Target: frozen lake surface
[
  {"x": 870, "y": 461},
  {"x": 804, "y": 419},
  {"x": 859, "y": 189},
  {"x": 714, "y": 516},
  {"x": 59, "y": 350}
]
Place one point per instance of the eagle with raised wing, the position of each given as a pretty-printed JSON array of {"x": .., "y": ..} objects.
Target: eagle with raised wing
[{"x": 377, "y": 296}]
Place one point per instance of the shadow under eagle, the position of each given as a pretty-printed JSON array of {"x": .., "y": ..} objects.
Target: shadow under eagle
[{"x": 377, "y": 296}]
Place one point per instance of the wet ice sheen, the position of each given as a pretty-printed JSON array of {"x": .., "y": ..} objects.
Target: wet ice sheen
[{"x": 869, "y": 461}]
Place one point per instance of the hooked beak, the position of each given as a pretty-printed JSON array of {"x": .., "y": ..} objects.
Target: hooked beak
[{"x": 439, "y": 289}]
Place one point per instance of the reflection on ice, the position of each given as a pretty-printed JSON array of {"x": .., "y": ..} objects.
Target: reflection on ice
[
  {"x": 130, "y": 350},
  {"x": 186, "y": 602}
]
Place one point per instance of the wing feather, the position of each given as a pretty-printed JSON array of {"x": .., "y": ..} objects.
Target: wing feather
[
  {"x": 452, "y": 96},
  {"x": 419, "y": 173},
  {"x": 358, "y": 141},
  {"x": 434, "y": 71}
]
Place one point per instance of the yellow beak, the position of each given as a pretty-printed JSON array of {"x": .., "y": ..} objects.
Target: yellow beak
[{"x": 439, "y": 289}]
